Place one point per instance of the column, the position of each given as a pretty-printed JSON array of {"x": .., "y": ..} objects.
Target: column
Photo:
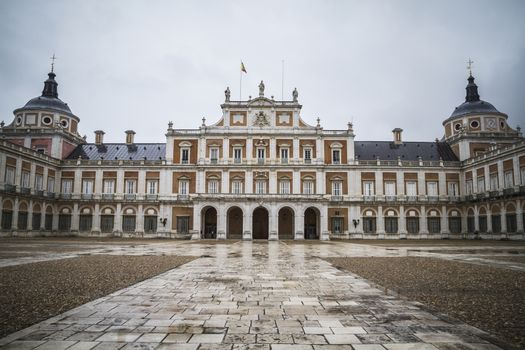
[
  {"x": 225, "y": 182},
  {"x": 503, "y": 214},
  {"x": 30, "y": 215},
  {"x": 444, "y": 221},
  {"x": 14, "y": 225},
  {"x": 117, "y": 227},
  {"x": 75, "y": 218},
  {"x": 225, "y": 150},
  {"x": 272, "y": 157},
  {"x": 248, "y": 185},
  {"x": 423, "y": 229},
  {"x": 77, "y": 182},
  {"x": 379, "y": 183},
  {"x": 272, "y": 182},
  {"x": 141, "y": 184},
  {"x": 519, "y": 217},
  {"x": 202, "y": 150},
  {"x": 380, "y": 225},
  {"x": 320, "y": 182},
  {"x": 196, "y": 233},
  {"x": 221, "y": 222},
  {"x": 442, "y": 184},
  {"x": 200, "y": 186},
  {"x": 119, "y": 190},
  {"x": 299, "y": 223},
  {"x": 400, "y": 184},
  {"x": 96, "y": 219},
  {"x": 249, "y": 149},
  {"x": 402, "y": 221},
  {"x": 324, "y": 235},
  {"x": 296, "y": 182},
  {"x": 421, "y": 190},
  {"x": 98, "y": 182},
  {"x": 295, "y": 150},
  {"x": 42, "y": 216},
  {"x": 476, "y": 218},
  {"x": 247, "y": 223},
  {"x": 1, "y": 199},
  {"x": 273, "y": 221},
  {"x": 515, "y": 170},
  {"x": 500, "y": 182},
  {"x": 489, "y": 220},
  {"x": 139, "y": 215}
]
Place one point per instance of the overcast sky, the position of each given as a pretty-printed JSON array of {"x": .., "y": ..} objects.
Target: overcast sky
[{"x": 383, "y": 64}]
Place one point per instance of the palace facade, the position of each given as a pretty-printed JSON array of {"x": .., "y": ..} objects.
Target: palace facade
[{"x": 261, "y": 172}]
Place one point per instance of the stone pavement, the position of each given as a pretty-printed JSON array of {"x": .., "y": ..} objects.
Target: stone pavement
[{"x": 251, "y": 295}]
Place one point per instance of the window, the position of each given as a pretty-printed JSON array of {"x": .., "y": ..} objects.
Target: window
[
  {"x": 512, "y": 225},
  {"x": 183, "y": 224},
  {"x": 434, "y": 224},
  {"x": 214, "y": 154},
  {"x": 128, "y": 223},
  {"x": 454, "y": 224},
  {"x": 10, "y": 175},
  {"x": 337, "y": 188},
  {"x": 22, "y": 220},
  {"x": 39, "y": 182},
  {"x": 307, "y": 154},
  {"x": 152, "y": 186},
  {"x": 336, "y": 156},
  {"x": 481, "y": 184},
  {"x": 109, "y": 186},
  {"x": 284, "y": 187},
  {"x": 64, "y": 222},
  {"x": 482, "y": 220},
  {"x": 308, "y": 187},
  {"x": 369, "y": 225},
  {"x": 237, "y": 155},
  {"x": 260, "y": 186},
  {"x": 496, "y": 223},
  {"x": 368, "y": 188},
  {"x": 432, "y": 188},
  {"x": 85, "y": 222},
  {"x": 493, "y": 181},
  {"x": 284, "y": 155},
  {"x": 470, "y": 187},
  {"x": 390, "y": 225},
  {"x": 411, "y": 188},
  {"x": 25, "y": 179},
  {"x": 413, "y": 224},
  {"x": 51, "y": 184},
  {"x": 106, "y": 223},
  {"x": 390, "y": 188},
  {"x": 337, "y": 224},
  {"x": 130, "y": 186},
  {"x": 522, "y": 171},
  {"x": 67, "y": 186},
  {"x": 183, "y": 186},
  {"x": 508, "y": 179},
  {"x": 471, "y": 226},
  {"x": 37, "y": 217},
  {"x": 87, "y": 186},
  {"x": 185, "y": 155},
  {"x": 453, "y": 189},
  {"x": 150, "y": 223},
  {"x": 237, "y": 186},
  {"x": 213, "y": 186},
  {"x": 48, "y": 225},
  {"x": 261, "y": 152},
  {"x": 7, "y": 219}
]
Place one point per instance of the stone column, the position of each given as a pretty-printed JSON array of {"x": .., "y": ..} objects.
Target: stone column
[
  {"x": 249, "y": 149},
  {"x": 196, "y": 233},
  {"x": 519, "y": 217},
  {"x": 503, "y": 214},
  {"x": 247, "y": 224},
  {"x": 140, "y": 220},
  {"x": 423, "y": 229},
  {"x": 248, "y": 185},
  {"x": 117, "y": 227},
  {"x": 98, "y": 186},
  {"x": 296, "y": 182},
  {"x": 221, "y": 222},
  {"x": 273, "y": 223},
  {"x": 225, "y": 181},
  {"x": 75, "y": 216},
  {"x": 320, "y": 178},
  {"x": 295, "y": 150},
  {"x": 272, "y": 157},
  {"x": 379, "y": 183},
  {"x": 42, "y": 216},
  {"x": 501, "y": 183},
  {"x": 30, "y": 216},
  {"x": 442, "y": 184},
  {"x": 380, "y": 228},
  {"x": 1, "y": 200},
  {"x": 516, "y": 170},
  {"x": 476, "y": 218},
  {"x": 489, "y": 220},
  {"x": 299, "y": 224},
  {"x": 444, "y": 221},
  {"x": 141, "y": 183},
  {"x": 272, "y": 182},
  {"x": 119, "y": 190},
  {"x": 324, "y": 234},
  {"x": 77, "y": 183},
  {"x": 402, "y": 222},
  {"x": 96, "y": 219},
  {"x": 225, "y": 150},
  {"x": 319, "y": 150}
]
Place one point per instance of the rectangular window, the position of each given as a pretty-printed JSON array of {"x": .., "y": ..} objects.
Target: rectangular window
[
  {"x": 237, "y": 187},
  {"x": 470, "y": 187},
  {"x": 130, "y": 186},
  {"x": 284, "y": 187},
  {"x": 85, "y": 222},
  {"x": 51, "y": 184},
  {"x": 413, "y": 225},
  {"x": 509, "y": 179},
  {"x": 260, "y": 187},
  {"x": 39, "y": 182},
  {"x": 25, "y": 179},
  {"x": 214, "y": 154},
  {"x": 432, "y": 188},
  {"x": 522, "y": 171},
  {"x": 369, "y": 225},
  {"x": 64, "y": 222},
  {"x": 336, "y": 156},
  {"x": 213, "y": 186},
  {"x": 152, "y": 186},
  {"x": 261, "y": 154},
  {"x": 183, "y": 224},
  {"x": 87, "y": 186},
  {"x": 106, "y": 223},
  {"x": 482, "y": 220},
  {"x": 454, "y": 224},
  {"x": 128, "y": 223},
  {"x": 512, "y": 225},
  {"x": 49, "y": 222},
  {"x": 22, "y": 220},
  {"x": 237, "y": 155},
  {"x": 10, "y": 175},
  {"x": 481, "y": 184},
  {"x": 109, "y": 186},
  {"x": 284, "y": 155},
  {"x": 307, "y": 155},
  {"x": 390, "y": 188},
  {"x": 185, "y": 156},
  {"x": 496, "y": 223},
  {"x": 368, "y": 188},
  {"x": 337, "y": 225},
  {"x": 183, "y": 186},
  {"x": 390, "y": 225},
  {"x": 7, "y": 219},
  {"x": 453, "y": 189},
  {"x": 411, "y": 188},
  {"x": 37, "y": 217},
  {"x": 337, "y": 188},
  {"x": 67, "y": 186},
  {"x": 493, "y": 181},
  {"x": 434, "y": 225},
  {"x": 308, "y": 187}
]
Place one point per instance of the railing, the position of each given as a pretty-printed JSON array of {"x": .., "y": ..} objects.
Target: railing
[
  {"x": 87, "y": 196},
  {"x": 25, "y": 190},
  {"x": 50, "y": 195},
  {"x": 108, "y": 196},
  {"x": 213, "y": 161},
  {"x": 130, "y": 196},
  {"x": 183, "y": 197},
  {"x": 151, "y": 197},
  {"x": 39, "y": 193},
  {"x": 336, "y": 198},
  {"x": 9, "y": 188},
  {"x": 66, "y": 195},
  {"x": 411, "y": 199},
  {"x": 390, "y": 198}
]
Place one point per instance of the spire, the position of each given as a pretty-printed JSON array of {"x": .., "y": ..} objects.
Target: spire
[
  {"x": 472, "y": 90},
  {"x": 50, "y": 86}
]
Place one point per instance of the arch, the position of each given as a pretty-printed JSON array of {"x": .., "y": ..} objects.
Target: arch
[
  {"x": 433, "y": 212},
  {"x": 64, "y": 218},
  {"x": 286, "y": 222},
  {"x": 260, "y": 223},
  {"x": 7, "y": 204},
  {"x": 107, "y": 210},
  {"x": 37, "y": 208},
  {"x": 22, "y": 206},
  {"x": 412, "y": 220},
  {"x": 209, "y": 222},
  {"x": 392, "y": 212},
  {"x": 312, "y": 216},
  {"x": 495, "y": 209},
  {"x": 129, "y": 210},
  {"x": 412, "y": 211},
  {"x": 234, "y": 222},
  {"x": 49, "y": 209},
  {"x": 369, "y": 212},
  {"x": 391, "y": 221},
  {"x": 86, "y": 210},
  {"x": 454, "y": 220},
  {"x": 454, "y": 212},
  {"x": 470, "y": 212},
  {"x": 482, "y": 210},
  {"x": 510, "y": 207},
  {"x": 433, "y": 220}
]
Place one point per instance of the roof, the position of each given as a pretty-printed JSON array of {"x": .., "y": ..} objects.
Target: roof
[
  {"x": 120, "y": 151},
  {"x": 387, "y": 150},
  {"x": 468, "y": 107},
  {"x": 44, "y": 102}
]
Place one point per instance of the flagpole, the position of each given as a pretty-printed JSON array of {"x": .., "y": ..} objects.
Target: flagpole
[
  {"x": 240, "y": 84},
  {"x": 282, "y": 82}
]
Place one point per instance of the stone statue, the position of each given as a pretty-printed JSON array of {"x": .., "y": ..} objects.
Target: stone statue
[
  {"x": 261, "y": 89},
  {"x": 295, "y": 95},
  {"x": 227, "y": 94}
]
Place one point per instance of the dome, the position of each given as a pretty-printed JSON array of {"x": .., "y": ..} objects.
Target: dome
[
  {"x": 48, "y": 103},
  {"x": 474, "y": 107}
]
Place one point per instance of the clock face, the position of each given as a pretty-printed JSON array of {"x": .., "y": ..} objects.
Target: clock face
[{"x": 491, "y": 124}]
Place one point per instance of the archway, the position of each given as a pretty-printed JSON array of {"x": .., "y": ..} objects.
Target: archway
[
  {"x": 209, "y": 227},
  {"x": 311, "y": 223},
  {"x": 286, "y": 223},
  {"x": 260, "y": 223},
  {"x": 235, "y": 217}
]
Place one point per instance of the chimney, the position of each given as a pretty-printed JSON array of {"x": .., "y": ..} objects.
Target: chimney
[
  {"x": 130, "y": 136},
  {"x": 397, "y": 136},
  {"x": 99, "y": 137}
]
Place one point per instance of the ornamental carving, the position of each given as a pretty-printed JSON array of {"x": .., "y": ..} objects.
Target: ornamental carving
[{"x": 261, "y": 119}]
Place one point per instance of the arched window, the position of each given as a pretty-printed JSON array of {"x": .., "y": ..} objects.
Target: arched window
[
  {"x": 412, "y": 221},
  {"x": 391, "y": 221},
  {"x": 107, "y": 220}
]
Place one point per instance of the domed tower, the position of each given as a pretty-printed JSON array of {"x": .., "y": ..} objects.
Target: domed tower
[
  {"x": 45, "y": 124},
  {"x": 476, "y": 125}
]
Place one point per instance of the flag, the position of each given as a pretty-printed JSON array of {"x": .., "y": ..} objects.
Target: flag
[{"x": 243, "y": 68}]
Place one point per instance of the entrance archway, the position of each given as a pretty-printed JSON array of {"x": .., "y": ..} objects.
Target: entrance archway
[
  {"x": 311, "y": 223},
  {"x": 234, "y": 230},
  {"x": 286, "y": 223},
  {"x": 260, "y": 223},
  {"x": 209, "y": 223}
]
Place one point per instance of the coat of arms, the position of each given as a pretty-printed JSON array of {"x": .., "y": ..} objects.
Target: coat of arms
[{"x": 261, "y": 119}]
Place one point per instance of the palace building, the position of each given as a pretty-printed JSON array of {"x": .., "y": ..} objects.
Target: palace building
[{"x": 261, "y": 171}]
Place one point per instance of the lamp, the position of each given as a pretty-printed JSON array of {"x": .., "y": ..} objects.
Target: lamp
[{"x": 355, "y": 222}]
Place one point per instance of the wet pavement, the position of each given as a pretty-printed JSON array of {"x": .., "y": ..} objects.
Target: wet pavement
[{"x": 256, "y": 295}]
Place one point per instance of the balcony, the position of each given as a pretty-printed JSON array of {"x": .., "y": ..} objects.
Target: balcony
[
  {"x": 39, "y": 193},
  {"x": 260, "y": 161},
  {"x": 213, "y": 161},
  {"x": 65, "y": 195},
  {"x": 433, "y": 199},
  {"x": 25, "y": 190},
  {"x": 184, "y": 161},
  {"x": 307, "y": 161},
  {"x": 494, "y": 194},
  {"x": 369, "y": 198},
  {"x": 9, "y": 188},
  {"x": 130, "y": 196},
  {"x": 411, "y": 199},
  {"x": 108, "y": 196},
  {"x": 336, "y": 198},
  {"x": 50, "y": 195},
  {"x": 183, "y": 197},
  {"x": 237, "y": 160},
  {"x": 87, "y": 196},
  {"x": 284, "y": 160},
  {"x": 390, "y": 198},
  {"x": 470, "y": 197},
  {"x": 151, "y": 197},
  {"x": 453, "y": 198},
  {"x": 508, "y": 191}
]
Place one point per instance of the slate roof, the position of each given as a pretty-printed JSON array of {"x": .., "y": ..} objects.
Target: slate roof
[
  {"x": 120, "y": 151},
  {"x": 386, "y": 150}
]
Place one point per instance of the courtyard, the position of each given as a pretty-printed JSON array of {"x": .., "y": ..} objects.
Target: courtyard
[{"x": 87, "y": 293}]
